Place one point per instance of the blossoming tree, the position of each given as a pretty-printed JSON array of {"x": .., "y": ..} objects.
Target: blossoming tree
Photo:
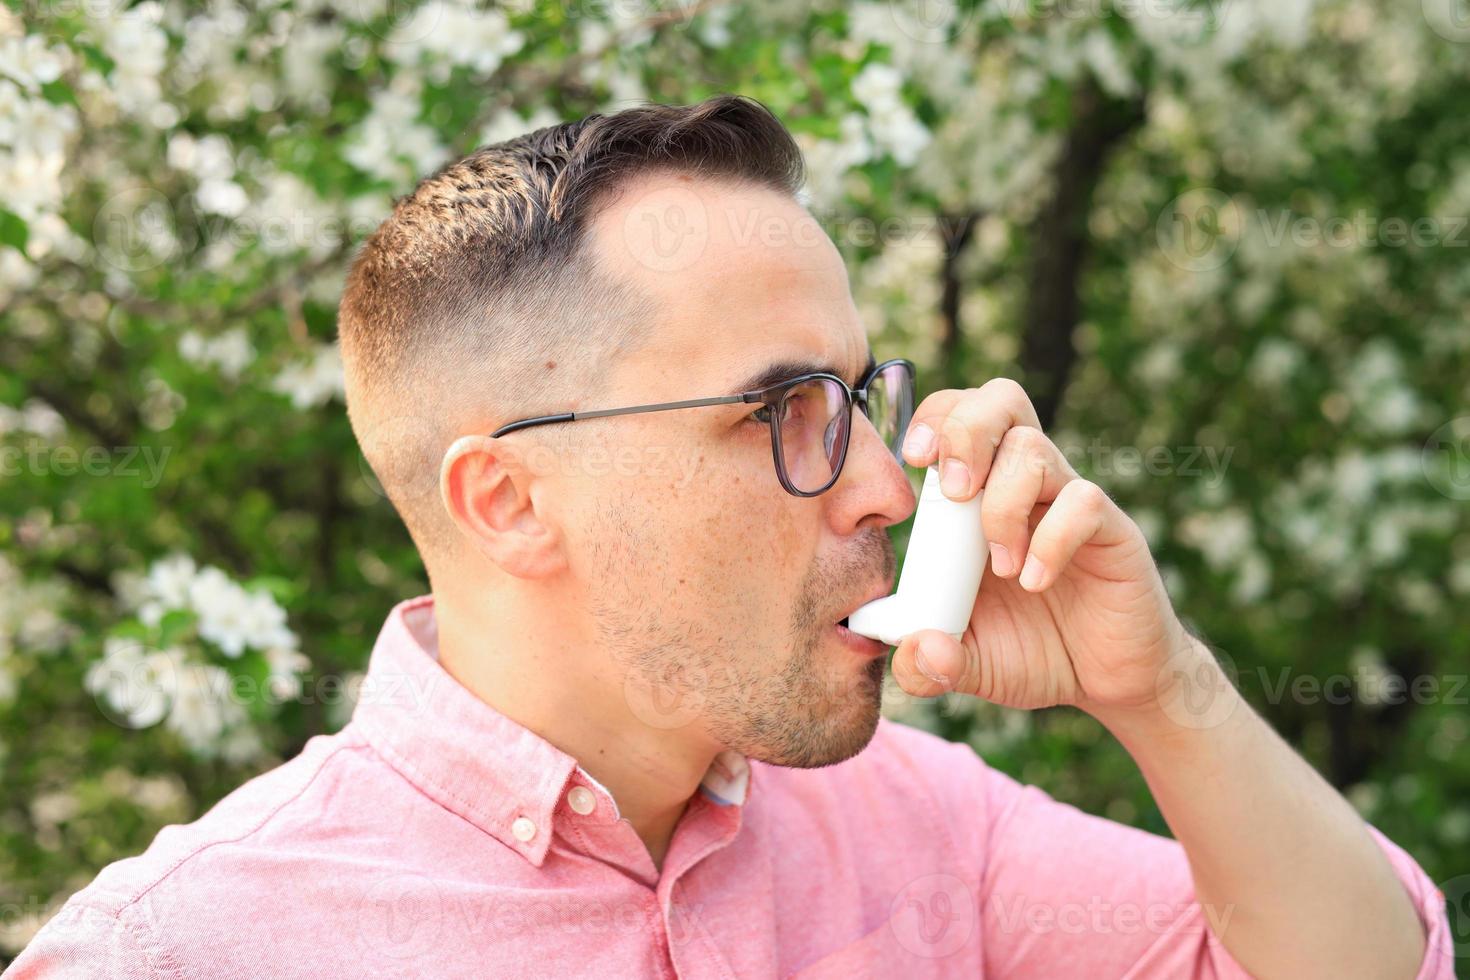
[{"x": 1221, "y": 242}]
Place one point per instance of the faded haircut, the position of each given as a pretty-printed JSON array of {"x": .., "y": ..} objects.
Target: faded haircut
[{"x": 479, "y": 298}]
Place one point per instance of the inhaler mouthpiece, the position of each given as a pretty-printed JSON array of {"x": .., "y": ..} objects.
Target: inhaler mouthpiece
[{"x": 941, "y": 571}]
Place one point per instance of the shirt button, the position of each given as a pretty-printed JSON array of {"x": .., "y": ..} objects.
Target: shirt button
[
  {"x": 524, "y": 828},
  {"x": 581, "y": 800}
]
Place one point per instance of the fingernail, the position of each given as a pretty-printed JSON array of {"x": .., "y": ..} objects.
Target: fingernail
[
  {"x": 954, "y": 478},
  {"x": 920, "y": 441},
  {"x": 1000, "y": 559},
  {"x": 1032, "y": 573},
  {"x": 924, "y": 667}
]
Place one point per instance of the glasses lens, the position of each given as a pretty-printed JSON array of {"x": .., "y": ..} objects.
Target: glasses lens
[
  {"x": 815, "y": 420},
  {"x": 891, "y": 405}
]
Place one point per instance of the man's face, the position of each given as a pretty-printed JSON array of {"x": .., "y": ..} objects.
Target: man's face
[{"x": 716, "y": 592}]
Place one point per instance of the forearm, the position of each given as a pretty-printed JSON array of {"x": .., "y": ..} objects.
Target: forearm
[{"x": 1292, "y": 881}]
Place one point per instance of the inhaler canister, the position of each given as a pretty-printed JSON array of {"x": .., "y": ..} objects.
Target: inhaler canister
[{"x": 941, "y": 573}]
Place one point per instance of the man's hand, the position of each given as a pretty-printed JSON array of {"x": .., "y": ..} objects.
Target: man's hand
[
  {"x": 1076, "y": 613},
  {"x": 1074, "y": 610}
]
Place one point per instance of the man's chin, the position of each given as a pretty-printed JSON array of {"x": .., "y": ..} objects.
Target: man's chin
[{"x": 827, "y": 741}]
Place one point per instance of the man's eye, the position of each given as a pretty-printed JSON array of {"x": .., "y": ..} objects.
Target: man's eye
[{"x": 761, "y": 415}]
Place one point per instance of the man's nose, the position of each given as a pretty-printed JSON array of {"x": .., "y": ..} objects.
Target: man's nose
[{"x": 873, "y": 487}]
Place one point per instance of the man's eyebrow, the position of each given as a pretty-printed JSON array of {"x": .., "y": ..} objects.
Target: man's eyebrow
[{"x": 793, "y": 367}]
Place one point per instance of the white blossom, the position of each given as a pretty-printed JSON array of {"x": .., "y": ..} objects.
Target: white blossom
[
  {"x": 230, "y": 352},
  {"x": 449, "y": 32},
  {"x": 893, "y": 125},
  {"x": 316, "y": 381},
  {"x": 232, "y": 618},
  {"x": 138, "y": 47},
  {"x": 391, "y": 143}
]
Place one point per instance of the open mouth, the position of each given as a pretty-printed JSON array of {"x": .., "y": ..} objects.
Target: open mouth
[{"x": 842, "y": 622}]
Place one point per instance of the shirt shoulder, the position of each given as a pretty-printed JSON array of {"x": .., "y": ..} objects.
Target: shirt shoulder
[{"x": 258, "y": 811}]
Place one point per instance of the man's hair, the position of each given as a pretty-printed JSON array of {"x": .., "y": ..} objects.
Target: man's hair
[{"x": 478, "y": 297}]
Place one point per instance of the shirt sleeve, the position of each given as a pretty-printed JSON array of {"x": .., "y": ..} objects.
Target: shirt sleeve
[
  {"x": 1065, "y": 893},
  {"x": 82, "y": 941}
]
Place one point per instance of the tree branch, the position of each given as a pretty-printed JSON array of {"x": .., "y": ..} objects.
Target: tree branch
[{"x": 1061, "y": 245}]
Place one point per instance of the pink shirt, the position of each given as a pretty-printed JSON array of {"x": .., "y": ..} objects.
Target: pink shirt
[{"x": 434, "y": 837}]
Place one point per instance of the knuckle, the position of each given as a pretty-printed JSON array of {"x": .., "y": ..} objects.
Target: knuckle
[
  {"x": 1010, "y": 393},
  {"x": 1025, "y": 448},
  {"x": 1006, "y": 387},
  {"x": 1089, "y": 496},
  {"x": 954, "y": 436}
]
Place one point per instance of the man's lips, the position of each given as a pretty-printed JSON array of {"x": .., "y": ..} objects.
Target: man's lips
[
  {"x": 877, "y": 592},
  {"x": 857, "y": 643}
]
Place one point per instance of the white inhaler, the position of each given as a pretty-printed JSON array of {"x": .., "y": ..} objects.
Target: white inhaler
[{"x": 941, "y": 571}]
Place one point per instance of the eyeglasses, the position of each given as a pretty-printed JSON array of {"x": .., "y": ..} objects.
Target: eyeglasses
[{"x": 810, "y": 418}]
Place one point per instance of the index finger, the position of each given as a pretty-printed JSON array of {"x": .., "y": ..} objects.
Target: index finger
[{"x": 967, "y": 425}]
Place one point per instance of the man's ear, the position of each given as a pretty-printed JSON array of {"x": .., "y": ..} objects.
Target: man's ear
[{"x": 487, "y": 494}]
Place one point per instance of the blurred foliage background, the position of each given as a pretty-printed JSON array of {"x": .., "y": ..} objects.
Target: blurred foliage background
[{"x": 1223, "y": 244}]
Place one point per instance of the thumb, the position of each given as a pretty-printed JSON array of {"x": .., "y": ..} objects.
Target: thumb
[{"x": 928, "y": 662}]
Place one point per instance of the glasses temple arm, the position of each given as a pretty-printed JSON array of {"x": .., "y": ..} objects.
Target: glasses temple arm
[{"x": 748, "y": 396}]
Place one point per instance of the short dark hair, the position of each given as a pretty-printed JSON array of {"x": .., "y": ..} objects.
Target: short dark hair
[{"x": 479, "y": 279}]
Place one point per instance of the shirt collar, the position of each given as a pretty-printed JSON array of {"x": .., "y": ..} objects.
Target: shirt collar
[{"x": 474, "y": 761}]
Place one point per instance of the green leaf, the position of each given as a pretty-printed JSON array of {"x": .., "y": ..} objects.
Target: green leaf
[
  {"x": 174, "y": 625},
  {"x": 13, "y": 231},
  {"x": 59, "y": 93}
]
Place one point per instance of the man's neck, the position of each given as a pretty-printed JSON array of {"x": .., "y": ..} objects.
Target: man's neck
[{"x": 550, "y": 685}]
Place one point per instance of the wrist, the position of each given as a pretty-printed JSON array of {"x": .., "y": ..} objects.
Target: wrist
[{"x": 1192, "y": 693}]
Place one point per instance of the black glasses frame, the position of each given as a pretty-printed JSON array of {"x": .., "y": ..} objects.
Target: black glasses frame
[{"x": 770, "y": 396}]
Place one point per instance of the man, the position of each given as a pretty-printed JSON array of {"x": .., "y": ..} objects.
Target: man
[{"x": 628, "y": 735}]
